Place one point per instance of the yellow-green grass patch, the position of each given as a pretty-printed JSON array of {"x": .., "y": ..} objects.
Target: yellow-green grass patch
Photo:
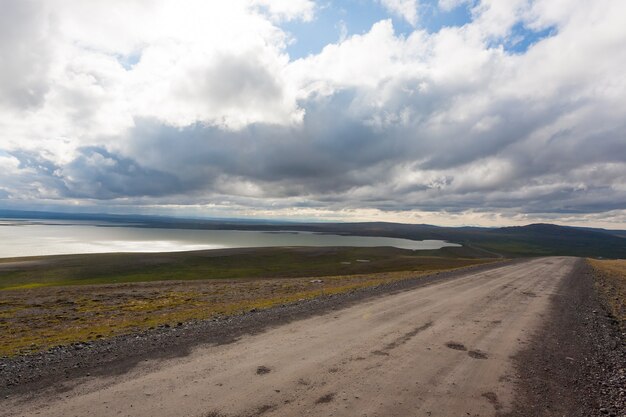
[
  {"x": 90, "y": 269},
  {"x": 36, "y": 319},
  {"x": 611, "y": 285}
]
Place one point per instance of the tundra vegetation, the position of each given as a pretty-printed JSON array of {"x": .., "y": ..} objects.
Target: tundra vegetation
[
  {"x": 58, "y": 300},
  {"x": 610, "y": 283}
]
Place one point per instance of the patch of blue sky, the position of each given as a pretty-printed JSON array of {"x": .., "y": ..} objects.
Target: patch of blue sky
[
  {"x": 433, "y": 18},
  {"x": 339, "y": 18},
  {"x": 128, "y": 61},
  {"x": 521, "y": 38}
]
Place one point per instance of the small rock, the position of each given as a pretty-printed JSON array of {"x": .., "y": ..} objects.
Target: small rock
[{"x": 262, "y": 370}]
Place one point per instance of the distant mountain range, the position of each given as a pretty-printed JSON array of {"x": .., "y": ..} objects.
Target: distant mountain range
[{"x": 530, "y": 240}]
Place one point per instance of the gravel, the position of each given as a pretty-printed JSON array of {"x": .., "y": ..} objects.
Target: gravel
[{"x": 575, "y": 364}]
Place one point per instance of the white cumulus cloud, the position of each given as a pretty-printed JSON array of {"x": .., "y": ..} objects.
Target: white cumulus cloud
[{"x": 406, "y": 9}]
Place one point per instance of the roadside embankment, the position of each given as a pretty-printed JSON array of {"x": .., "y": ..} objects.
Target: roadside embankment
[{"x": 610, "y": 282}]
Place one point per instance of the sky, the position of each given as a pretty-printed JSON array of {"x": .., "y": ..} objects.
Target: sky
[{"x": 448, "y": 112}]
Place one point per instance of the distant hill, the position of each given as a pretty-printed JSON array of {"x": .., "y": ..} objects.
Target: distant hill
[
  {"x": 550, "y": 239},
  {"x": 531, "y": 240}
]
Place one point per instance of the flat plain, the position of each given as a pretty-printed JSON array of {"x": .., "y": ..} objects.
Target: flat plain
[{"x": 59, "y": 300}]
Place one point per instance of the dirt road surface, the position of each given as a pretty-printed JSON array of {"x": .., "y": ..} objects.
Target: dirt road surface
[{"x": 440, "y": 350}]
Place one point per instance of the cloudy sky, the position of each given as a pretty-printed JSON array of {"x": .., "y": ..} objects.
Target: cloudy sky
[{"x": 430, "y": 111}]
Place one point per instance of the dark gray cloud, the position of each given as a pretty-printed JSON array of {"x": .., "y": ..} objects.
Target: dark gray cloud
[
  {"x": 37, "y": 176},
  {"x": 336, "y": 160},
  {"x": 95, "y": 174},
  {"x": 98, "y": 173}
]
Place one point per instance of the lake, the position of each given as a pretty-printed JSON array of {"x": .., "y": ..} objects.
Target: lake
[{"x": 36, "y": 238}]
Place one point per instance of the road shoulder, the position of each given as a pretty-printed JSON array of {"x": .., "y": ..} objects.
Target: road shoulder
[{"x": 574, "y": 364}]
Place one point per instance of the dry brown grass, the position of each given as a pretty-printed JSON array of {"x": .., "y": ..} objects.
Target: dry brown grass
[
  {"x": 611, "y": 284},
  {"x": 38, "y": 318},
  {"x": 59, "y": 300}
]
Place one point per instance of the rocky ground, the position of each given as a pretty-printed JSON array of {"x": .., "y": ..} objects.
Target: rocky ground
[{"x": 576, "y": 364}]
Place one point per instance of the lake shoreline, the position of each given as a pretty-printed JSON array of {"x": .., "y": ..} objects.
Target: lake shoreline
[{"x": 33, "y": 238}]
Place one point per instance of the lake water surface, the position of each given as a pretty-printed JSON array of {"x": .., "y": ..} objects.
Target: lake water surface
[{"x": 33, "y": 238}]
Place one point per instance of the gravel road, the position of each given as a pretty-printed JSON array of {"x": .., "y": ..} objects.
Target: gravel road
[{"x": 444, "y": 349}]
